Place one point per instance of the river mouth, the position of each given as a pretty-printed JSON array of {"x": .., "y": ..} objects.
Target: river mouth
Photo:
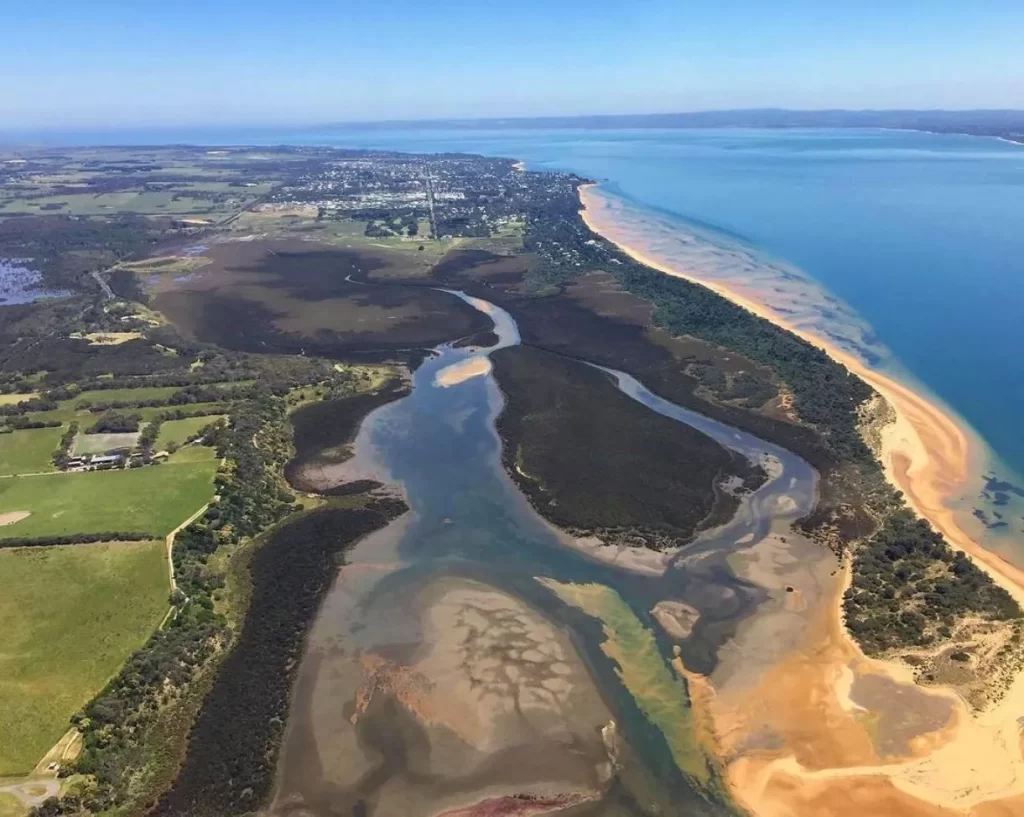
[{"x": 441, "y": 673}]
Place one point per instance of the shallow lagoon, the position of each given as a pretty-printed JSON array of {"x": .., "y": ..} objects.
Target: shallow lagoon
[{"x": 468, "y": 555}]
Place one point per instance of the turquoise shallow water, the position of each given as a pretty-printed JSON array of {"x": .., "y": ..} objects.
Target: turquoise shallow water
[{"x": 920, "y": 235}]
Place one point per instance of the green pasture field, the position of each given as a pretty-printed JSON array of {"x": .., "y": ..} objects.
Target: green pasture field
[
  {"x": 177, "y": 431},
  {"x": 112, "y": 395},
  {"x": 193, "y": 453},
  {"x": 28, "y": 451},
  {"x": 70, "y": 617},
  {"x": 149, "y": 413},
  {"x": 155, "y": 499},
  {"x": 11, "y": 806},
  {"x": 14, "y": 399}
]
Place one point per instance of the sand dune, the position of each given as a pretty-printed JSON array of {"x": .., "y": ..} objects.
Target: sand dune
[{"x": 826, "y": 764}]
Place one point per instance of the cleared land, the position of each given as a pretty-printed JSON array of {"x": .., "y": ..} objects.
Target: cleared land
[
  {"x": 98, "y": 443},
  {"x": 177, "y": 431},
  {"x": 67, "y": 411},
  {"x": 70, "y": 616},
  {"x": 28, "y": 451},
  {"x": 114, "y": 395},
  {"x": 154, "y": 499}
]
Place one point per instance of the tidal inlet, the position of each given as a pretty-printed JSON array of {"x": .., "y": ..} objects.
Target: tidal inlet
[{"x": 471, "y": 659}]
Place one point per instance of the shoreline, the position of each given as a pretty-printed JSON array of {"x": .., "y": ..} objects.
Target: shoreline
[{"x": 928, "y": 455}]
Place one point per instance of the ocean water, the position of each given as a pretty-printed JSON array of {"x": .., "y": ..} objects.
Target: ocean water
[{"x": 914, "y": 241}]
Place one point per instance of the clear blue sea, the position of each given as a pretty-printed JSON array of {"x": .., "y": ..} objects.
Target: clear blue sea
[{"x": 921, "y": 235}]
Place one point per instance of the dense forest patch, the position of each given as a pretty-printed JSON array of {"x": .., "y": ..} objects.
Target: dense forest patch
[
  {"x": 910, "y": 588},
  {"x": 324, "y": 430}
]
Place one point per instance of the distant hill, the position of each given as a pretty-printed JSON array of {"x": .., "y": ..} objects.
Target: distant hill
[{"x": 1007, "y": 124}]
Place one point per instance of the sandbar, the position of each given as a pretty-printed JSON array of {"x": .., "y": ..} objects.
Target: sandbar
[
  {"x": 677, "y": 618},
  {"x": 471, "y": 367}
]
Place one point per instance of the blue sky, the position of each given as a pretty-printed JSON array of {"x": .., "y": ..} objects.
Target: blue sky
[{"x": 108, "y": 62}]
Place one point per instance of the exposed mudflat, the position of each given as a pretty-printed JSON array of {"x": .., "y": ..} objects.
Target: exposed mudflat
[{"x": 462, "y": 695}]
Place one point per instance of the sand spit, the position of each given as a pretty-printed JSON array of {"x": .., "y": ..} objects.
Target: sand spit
[
  {"x": 799, "y": 742},
  {"x": 631, "y": 559},
  {"x": 467, "y": 369}
]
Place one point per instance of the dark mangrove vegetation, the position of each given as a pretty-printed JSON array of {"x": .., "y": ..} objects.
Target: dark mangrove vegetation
[
  {"x": 324, "y": 430},
  {"x": 551, "y": 294},
  {"x": 295, "y": 298},
  {"x": 233, "y": 747},
  {"x": 593, "y": 460}
]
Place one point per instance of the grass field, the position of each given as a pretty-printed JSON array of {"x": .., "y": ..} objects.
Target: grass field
[
  {"x": 155, "y": 499},
  {"x": 11, "y": 806},
  {"x": 67, "y": 411},
  {"x": 28, "y": 451},
  {"x": 70, "y": 616},
  {"x": 177, "y": 431},
  {"x": 14, "y": 399},
  {"x": 193, "y": 453},
  {"x": 112, "y": 395}
]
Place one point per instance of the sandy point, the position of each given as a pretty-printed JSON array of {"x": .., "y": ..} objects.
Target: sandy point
[
  {"x": 819, "y": 757},
  {"x": 463, "y": 370}
]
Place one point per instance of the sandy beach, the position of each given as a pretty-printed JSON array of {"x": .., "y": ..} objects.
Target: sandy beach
[
  {"x": 976, "y": 765},
  {"x": 927, "y": 453}
]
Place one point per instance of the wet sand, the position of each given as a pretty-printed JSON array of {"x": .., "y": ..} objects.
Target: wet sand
[
  {"x": 462, "y": 371},
  {"x": 793, "y": 742},
  {"x": 449, "y": 696}
]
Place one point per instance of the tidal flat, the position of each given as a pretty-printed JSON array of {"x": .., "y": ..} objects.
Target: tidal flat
[
  {"x": 448, "y": 695},
  {"x": 438, "y": 657}
]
